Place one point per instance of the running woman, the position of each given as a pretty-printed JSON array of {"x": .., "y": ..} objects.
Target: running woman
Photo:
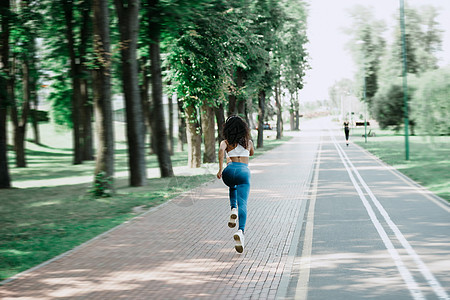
[
  {"x": 347, "y": 131},
  {"x": 238, "y": 147}
]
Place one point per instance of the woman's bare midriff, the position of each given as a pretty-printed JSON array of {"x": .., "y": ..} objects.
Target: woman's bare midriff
[{"x": 238, "y": 159}]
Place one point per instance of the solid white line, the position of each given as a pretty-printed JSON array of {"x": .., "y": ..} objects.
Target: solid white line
[
  {"x": 414, "y": 289},
  {"x": 432, "y": 281},
  {"x": 301, "y": 292},
  {"x": 444, "y": 204}
]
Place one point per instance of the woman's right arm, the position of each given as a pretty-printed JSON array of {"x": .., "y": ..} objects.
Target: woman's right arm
[{"x": 252, "y": 149}]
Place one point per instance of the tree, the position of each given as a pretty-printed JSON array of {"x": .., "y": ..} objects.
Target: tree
[
  {"x": 5, "y": 181},
  {"x": 128, "y": 13},
  {"x": 367, "y": 46},
  {"x": 201, "y": 61},
  {"x": 268, "y": 19},
  {"x": 154, "y": 30},
  {"x": 66, "y": 38},
  {"x": 388, "y": 106},
  {"x": 430, "y": 103},
  {"x": 86, "y": 103},
  {"x": 25, "y": 71},
  {"x": 75, "y": 75},
  {"x": 423, "y": 40},
  {"x": 294, "y": 55},
  {"x": 104, "y": 164}
]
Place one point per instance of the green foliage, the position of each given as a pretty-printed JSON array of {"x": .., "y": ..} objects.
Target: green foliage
[
  {"x": 367, "y": 45},
  {"x": 60, "y": 97},
  {"x": 431, "y": 102},
  {"x": 201, "y": 57},
  {"x": 292, "y": 43},
  {"x": 388, "y": 106},
  {"x": 423, "y": 40}
]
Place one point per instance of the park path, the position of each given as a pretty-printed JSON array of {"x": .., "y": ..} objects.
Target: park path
[
  {"x": 184, "y": 249},
  {"x": 313, "y": 231}
]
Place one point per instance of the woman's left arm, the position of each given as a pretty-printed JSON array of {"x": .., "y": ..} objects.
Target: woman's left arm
[{"x": 222, "y": 148}]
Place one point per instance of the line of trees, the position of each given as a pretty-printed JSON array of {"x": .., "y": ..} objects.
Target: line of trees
[
  {"x": 216, "y": 57},
  {"x": 380, "y": 66}
]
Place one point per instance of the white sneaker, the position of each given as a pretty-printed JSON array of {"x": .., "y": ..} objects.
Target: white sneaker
[
  {"x": 233, "y": 218},
  {"x": 239, "y": 239}
]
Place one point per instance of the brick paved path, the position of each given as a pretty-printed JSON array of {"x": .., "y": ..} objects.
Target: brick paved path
[{"x": 184, "y": 249}]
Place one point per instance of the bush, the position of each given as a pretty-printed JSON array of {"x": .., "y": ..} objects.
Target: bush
[
  {"x": 388, "y": 106},
  {"x": 431, "y": 102}
]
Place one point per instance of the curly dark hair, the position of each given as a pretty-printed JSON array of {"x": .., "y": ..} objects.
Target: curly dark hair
[{"x": 235, "y": 130}]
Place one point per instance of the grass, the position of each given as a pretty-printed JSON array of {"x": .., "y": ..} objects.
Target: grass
[
  {"x": 429, "y": 162},
  {"x": 39, "y": 223}
]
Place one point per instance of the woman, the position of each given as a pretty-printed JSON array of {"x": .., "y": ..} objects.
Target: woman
[
  {"x": 347, "y": 131},
  {"x": 238, "y": 147}
]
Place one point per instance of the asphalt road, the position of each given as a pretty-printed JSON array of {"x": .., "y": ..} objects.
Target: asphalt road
[{"x": 368, "y": 231}]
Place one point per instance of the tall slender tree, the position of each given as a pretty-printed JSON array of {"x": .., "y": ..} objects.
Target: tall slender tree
[
  {"x": 75, "y": 74},
  {"x": 86, "y": 103},
  {"x": 104, "y": 164},
  {"x": 165, "y": 163},
  {"x": 128, "y": 13},
  {"x": 5, "y": 180},
  {"x": 367, "y": 46},
  {"x": 24, "y": 57}
]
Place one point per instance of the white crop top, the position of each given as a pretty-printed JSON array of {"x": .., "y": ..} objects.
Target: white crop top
[{"x": 239, "y": 151}]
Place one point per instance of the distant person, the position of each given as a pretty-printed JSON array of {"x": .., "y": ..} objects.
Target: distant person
[
  {"x": 238, "y": 147},
  {"x": 347, "y": 131}
]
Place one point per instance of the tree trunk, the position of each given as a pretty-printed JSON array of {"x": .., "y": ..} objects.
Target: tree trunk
[
  {"x": 249, "y": 113},
  {"x": 220, "y": 119},
  {"x": 241, "y": 101},
  {"x": 147, "y": 105},
  {"x": 165, "y": 162},
  {"x": 34, "y": 98},
  {"x": 88, "y": 148},
  {"x": 209, "y": 134},
  {"x": 231, "y": 104},
  {"x": 5, "y": 180},
  {"x": 21, "y": 126},
  {"x": 35, "y": 123},
  {"x": 261, "y": 112},
  {"x": 18, "y": 126},
  {"x": 104, "y": 163},
  {"x": 292, "y": 119},
  {"x": 194, "y": 139},
  {"x": 297, "y": 113},
  {"x": 86, "y": 105},
  {"x": 182, "y": 139},
  {"x": 171, "y": 124},
  {"x": 129, "y": 29},
  {"x": 75, "y": 75},
  {"x": 279, "y": 117}
]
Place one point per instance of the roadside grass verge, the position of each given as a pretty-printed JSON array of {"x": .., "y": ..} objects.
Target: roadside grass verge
[
  {"x": 39, "y": 223},
  {"x": 429, "y": 161}
]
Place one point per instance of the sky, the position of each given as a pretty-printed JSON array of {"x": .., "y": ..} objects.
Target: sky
[{"x": 329, "y": 59}]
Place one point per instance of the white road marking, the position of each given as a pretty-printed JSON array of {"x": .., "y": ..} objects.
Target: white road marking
[
  {"x": 414, "y": 289},
  {"x": 432, "y": 281}
]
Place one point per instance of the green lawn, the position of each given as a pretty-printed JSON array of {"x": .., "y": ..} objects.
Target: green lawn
[
  {"x": 429, "y": 162},
  {"x": 39, "y": 223}
]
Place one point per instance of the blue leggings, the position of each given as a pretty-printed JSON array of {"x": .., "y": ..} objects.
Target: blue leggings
[{"x": 237, "y": 177}]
